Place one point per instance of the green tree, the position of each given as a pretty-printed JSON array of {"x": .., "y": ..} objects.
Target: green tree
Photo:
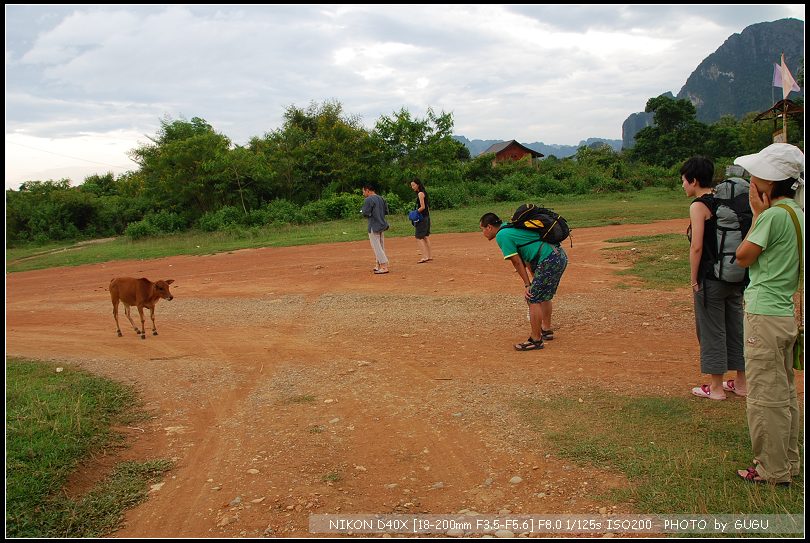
[
  {"x": 319, "y": 150},
  {"x": 182, "y": 168},
  {"x": 674, "y": 136},
  {"x": 413, "y": 143}
]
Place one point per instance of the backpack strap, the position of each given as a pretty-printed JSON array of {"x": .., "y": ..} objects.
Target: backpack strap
[{"x": 795, "y": 220}]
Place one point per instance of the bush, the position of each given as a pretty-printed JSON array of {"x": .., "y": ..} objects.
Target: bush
[
  {"x": 220, "y": 219},
  {"x": 546, "y": 184},
  {"x": 504, "y": 192},
  {"x": 282, "y": 211},
  {"x": 166, "y": 221},
  {"x": 449, "y": 197},
  {"x": 141, "y": 229}
]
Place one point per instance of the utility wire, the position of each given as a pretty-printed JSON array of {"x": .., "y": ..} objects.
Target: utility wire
[{"x": 67, "y": 156}]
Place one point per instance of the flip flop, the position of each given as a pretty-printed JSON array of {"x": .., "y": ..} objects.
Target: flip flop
[
  {"x": 728, "y": 386},
  {"x": 752, "y": 476},
  {"x": 705, "y": 391},
  {"x": 380, "y": 272},
  {"x": 424, "y": 260}
]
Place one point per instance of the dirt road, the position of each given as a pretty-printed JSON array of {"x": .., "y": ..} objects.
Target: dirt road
[{"x": 291, "y": 381}]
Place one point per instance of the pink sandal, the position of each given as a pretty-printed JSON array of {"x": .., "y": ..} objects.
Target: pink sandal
[
  {"x": 751, "y": 475},
  {"x": 705, "y": 391},
  {"x": 728, "y": 386}
]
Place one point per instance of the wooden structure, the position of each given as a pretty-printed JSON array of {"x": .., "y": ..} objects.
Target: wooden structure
[
  {"x": 511, "y": 150},
  {"x": 781, "y": 109}
]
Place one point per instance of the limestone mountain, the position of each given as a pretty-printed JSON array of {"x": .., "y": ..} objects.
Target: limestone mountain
[{"x": 737, "y": 78}]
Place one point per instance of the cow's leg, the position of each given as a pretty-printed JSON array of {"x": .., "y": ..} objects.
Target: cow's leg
[
  {"x": 152, "y": 316},
  {"x": 127, "y": 312},
  {"x": 143, "y": 326},
  {"x": 115, "y": 316}
]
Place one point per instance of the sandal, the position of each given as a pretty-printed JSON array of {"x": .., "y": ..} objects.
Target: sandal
[
  {"x": 705, "y": 391},
  {"x": 728, "y": 386},
  {"x": 751, "y": 475},
  {"x": 424, "y": 260},
  {"x": 530, "y": 345},
  {"x": 547, "y": 334},
  {"x": 380, "y": 272}
]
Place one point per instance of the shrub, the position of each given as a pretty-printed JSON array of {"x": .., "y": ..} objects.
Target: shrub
[
  {"x": 219, "y": 219},
  {"x": 503, "y": 192},
  {"x": 166, "y": 221},
  {"x": 546, "y": 184},
  {"x": 141, "y": 229},
  {"x": 282, "y": 211},
  {"x": 449, "y": 197}
]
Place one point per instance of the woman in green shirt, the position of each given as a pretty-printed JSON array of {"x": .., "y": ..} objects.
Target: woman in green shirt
[{"x": 771, "y": 252}]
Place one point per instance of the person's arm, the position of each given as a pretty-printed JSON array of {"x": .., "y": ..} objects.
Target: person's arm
[
  {"x": 748, "y": 252},
  {"x": 368, "y": 207},
  {"x": 520, "y": 267},
  {"x": 698, "y": 215},
  {"x": 421, "y": 196}
]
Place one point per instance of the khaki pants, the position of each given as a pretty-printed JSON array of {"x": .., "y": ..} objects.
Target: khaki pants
[{"x": 772, "y": 407}]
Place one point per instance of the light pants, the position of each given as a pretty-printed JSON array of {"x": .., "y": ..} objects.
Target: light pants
[
  {"x": 378, "y": 244},
  {"x": 772, "y": 407}
]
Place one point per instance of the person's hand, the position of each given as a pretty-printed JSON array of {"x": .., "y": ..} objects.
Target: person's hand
[{"x": 759, "y": 202}]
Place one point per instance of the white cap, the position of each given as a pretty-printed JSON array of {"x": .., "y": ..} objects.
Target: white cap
[{"x": 776, "y": 162}]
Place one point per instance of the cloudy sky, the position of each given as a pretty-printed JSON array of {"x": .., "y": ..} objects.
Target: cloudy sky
[{"x": 86, "y": 84}]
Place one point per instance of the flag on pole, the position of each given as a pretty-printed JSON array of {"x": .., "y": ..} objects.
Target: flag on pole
[{"x": 783, "y": 78}]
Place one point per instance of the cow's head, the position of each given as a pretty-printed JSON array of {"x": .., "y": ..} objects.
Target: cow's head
[{"x": 162, "y": 288}]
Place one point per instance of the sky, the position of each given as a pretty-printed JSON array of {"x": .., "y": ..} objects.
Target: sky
[{"x": 86, "y": 84}]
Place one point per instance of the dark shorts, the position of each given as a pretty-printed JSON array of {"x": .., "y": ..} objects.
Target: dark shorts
[
  {"x": 423, "y": 228},
  {"x": 547, "y": 276}
]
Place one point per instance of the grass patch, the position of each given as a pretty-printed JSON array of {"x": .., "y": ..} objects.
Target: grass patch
[
  {"x": 580, "y": 211},
  {"x": 660, "y": 261},
  {"x": 53, "y": 421},
  {"x": 679, "y": 454},
  {"x": 331, "y": 477}
]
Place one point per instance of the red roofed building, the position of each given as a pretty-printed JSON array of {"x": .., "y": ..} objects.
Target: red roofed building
[{"x": 511, "y": 150}]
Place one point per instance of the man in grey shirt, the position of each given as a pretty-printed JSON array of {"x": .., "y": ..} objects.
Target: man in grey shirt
[{"x": 375, "y": 209}]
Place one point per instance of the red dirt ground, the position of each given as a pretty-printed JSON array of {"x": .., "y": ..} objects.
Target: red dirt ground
[{"x": 299, "y": 382}]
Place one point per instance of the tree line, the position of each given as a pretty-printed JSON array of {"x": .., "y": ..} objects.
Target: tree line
[{"x": 312, "y": 167}]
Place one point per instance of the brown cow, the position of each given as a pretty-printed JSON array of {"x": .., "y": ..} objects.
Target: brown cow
[{"x": 141, "y": 293}]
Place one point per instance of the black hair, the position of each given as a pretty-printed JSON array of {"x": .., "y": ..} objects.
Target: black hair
[
  {"x": 700, "y": 169},
  {"x": 783, "y": 188},
  {"x": 419, "y": 185},
  {"x": 488, "y": 219},
  {"x": 370, "y": 185}
]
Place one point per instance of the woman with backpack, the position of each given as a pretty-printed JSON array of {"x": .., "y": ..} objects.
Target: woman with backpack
[
  {"x": 423, "y": 224},
  {"x": 771, "y": 252},
  {"x": 718, "y": 303}
]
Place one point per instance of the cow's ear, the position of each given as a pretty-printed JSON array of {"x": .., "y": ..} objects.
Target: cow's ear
[{"x": 169, "y": 281}]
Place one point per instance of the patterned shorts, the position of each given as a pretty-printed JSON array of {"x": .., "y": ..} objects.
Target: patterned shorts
[{"x": 547, "y": 276}]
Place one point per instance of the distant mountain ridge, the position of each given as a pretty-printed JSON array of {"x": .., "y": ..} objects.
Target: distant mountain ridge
[
  {"x": 477, "y": 147},
  {"x": 736, "y": 79}
]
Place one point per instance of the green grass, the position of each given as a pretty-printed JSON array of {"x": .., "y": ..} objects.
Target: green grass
[
  {"x": 581, "y": 211},
  {"x": 54, "y": 420},
  {"x": 679, "y": 454},
  {"x": 661, "y": 261}
]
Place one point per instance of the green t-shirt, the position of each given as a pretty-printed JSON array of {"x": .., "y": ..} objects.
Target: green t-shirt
[
  {"x": 775, "y": 274},
  {"x": 509, "y": 239}
]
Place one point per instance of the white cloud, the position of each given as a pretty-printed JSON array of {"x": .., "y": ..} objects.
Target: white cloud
[{"x": 92, "y": 82}]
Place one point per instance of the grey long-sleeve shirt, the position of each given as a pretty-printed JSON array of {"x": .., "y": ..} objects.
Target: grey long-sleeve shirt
[{"x": 375, "y": 209}]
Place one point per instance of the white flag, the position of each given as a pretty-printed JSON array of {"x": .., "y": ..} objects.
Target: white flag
[{"x": 783, "y": 78}]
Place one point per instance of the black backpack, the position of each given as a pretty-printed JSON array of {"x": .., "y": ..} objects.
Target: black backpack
[
  {"x": 551, "y": 226},
  {"x": 731, "y": 219}
]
